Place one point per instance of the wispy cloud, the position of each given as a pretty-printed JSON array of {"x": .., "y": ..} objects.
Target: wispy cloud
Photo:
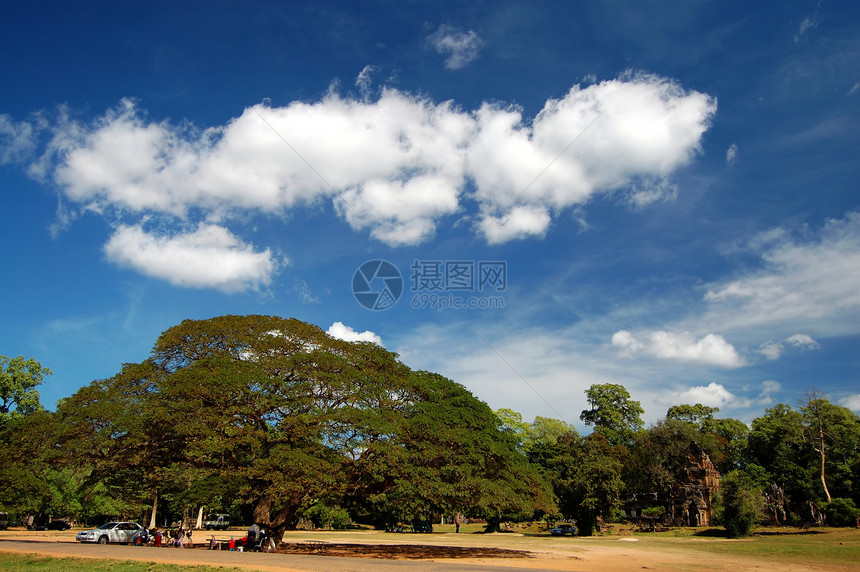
[
  {"x": 774, "y": 350},
  {"x": 807, "y": 282},
  {"x": 461, "y": 48},
  {"x": 17, "y": 140},
  {"x": 732, "y": 155},
  {"x": 304, "y": 292},
  {"x": 808, "y": 23}
]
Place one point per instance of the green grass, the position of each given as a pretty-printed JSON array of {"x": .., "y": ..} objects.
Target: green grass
[
  {"x": 35, "y": 562},
  {"x": 830, "y": 546}
]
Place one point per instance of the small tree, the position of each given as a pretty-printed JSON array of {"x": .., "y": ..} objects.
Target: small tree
[{"x": 740, "y": 503}]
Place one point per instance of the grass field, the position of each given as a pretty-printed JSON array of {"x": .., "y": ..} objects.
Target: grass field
[{"x": 37, "y": 563}]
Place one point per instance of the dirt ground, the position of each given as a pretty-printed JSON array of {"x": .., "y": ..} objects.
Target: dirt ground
[{"x": 375, "y": 551}]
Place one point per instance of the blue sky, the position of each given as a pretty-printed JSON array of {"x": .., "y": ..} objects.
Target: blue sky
[{"x": 666, "y": 192}]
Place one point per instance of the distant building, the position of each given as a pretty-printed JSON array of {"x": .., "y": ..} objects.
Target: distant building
[{"x": 690, "y": 498}]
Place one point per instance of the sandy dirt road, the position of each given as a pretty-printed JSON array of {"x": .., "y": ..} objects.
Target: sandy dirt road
[{"x": 437, "y": 553}]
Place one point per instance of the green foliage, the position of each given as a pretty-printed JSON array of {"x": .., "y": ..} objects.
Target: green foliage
[
  {"x": 777, "y": 443},
  {"x": 30, "y": 481},
  {"x": 833, "y": 433},
  {"x": 18, "y": 381},
  {"x": 841, "y": 512},
  {"x": 739, "y": 503},
  {"x": 698, "y": 414},
  {"x": 285, "y": 417},
  {"x": 654, "y": 512},
  {"x": 542, "y": 431},
  {"x": 586, "y": 478},
  {"x": 809, "y": 453},
  {"x": 324, "y": 516},
  {"x": 613, "y": 414}
]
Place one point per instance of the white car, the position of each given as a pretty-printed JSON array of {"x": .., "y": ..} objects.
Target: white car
[{"x": 122, "y": 532}]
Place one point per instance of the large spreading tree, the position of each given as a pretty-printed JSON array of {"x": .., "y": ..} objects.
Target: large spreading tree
[{"x": 278, "y": 415}]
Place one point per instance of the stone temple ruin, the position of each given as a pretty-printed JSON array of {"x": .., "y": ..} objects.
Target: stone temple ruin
[{"x": 689, "y": 502}]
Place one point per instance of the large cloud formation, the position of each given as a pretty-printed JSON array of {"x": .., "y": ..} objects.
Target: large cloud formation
[{"x": 395, "y": 166}]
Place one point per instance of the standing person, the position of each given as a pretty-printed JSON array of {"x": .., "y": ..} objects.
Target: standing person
[
  {"x": 158, "y": 536},
  {"x": 253, "y": 534},
  {"x": 188, "y": 539}
]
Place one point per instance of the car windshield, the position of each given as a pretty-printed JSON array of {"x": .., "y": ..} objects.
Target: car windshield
[{"x": 107, "y": 526}]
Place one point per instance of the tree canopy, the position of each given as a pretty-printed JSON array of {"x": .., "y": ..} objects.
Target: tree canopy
[
  {"x": 19, "y": 378},
  {"x": 286, "y": 416},
  {"x": 276, "y": 421},
  {"x": 613, "y": 414}
]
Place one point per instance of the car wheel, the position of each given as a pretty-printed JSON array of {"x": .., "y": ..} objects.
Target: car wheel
[{"x": 103, "y": 540}]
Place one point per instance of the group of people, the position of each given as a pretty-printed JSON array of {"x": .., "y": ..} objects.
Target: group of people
[
  {"x": 254, "y": 541},
  {"x": 174, "y": 537}
]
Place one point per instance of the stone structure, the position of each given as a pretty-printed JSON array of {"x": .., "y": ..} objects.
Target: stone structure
[{"x": 690, "y": 498}]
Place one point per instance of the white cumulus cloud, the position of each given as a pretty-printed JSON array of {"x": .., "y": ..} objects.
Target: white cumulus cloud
[
  {"x": 629, "y": 133},
  {"x": 343, "y": 332},
  {"x": 717, "y": 395},
  {"x": 209, "y": 257},
  {"x": 711, "y": 349},
  {"x": 852, "y": 402},
  {"x": 396, "y": 165},
  {"x": 712, "y": 395}
]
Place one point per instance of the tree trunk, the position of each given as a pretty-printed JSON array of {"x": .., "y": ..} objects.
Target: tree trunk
[
  {"x": 279, "y": 523},
  {"x": 823, "y": 480},
  {"x": 821, "y": 450},
  {"x": 494, "y": 524},
  {"x": 199, "y": 524},
  {"x": 154, "y": 507}
]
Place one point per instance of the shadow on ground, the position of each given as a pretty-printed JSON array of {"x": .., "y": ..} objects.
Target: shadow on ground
[{"x": 400, "y": 551}]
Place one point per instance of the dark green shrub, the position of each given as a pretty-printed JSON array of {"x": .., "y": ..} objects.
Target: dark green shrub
[
  {"x": 841, "y": 512},
  {"x": 739, "y": 504}
]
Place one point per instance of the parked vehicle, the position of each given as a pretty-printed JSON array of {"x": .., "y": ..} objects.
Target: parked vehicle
[
  {"x": 217, "y": 522},
  {"x": 120, "y": 532},
  {"x": 4, "y": 520},
  {"x": 562, "y": 529},
  {"x": 58, "y": 525}
]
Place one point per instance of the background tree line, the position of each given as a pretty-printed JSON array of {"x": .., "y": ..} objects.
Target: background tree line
[{"x": 274, "y": 421}]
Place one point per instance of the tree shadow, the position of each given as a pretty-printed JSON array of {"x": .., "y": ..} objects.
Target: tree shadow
[{"x": 400, "y": 551}]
